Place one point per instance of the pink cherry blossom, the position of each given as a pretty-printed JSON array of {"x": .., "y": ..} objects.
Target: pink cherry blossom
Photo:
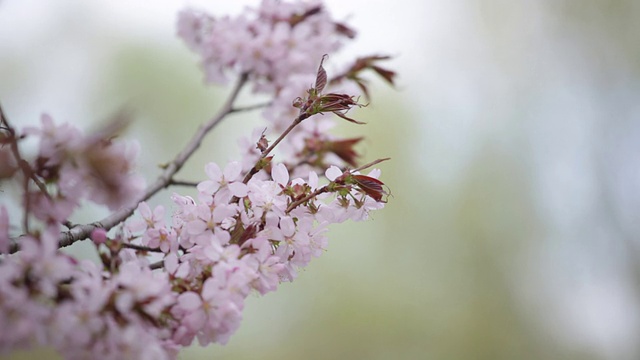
[{"x": 223, "y": 184}]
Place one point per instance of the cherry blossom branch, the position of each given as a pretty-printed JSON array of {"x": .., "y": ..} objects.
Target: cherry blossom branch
[
  {"x": 82, "y": 232},
  {"x": 312, "y": 195},
  {"x": 275, "y": 231},
  {"x": 327, "y": 188}
]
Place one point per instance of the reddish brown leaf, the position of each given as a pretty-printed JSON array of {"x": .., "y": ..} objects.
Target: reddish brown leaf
[
  {"x": 371, "y": 186},
  {"x": 345, "y": 30},
  {"x": 342, "y": 115},
  {"x": 321, "y": 78},
  {"x": 388, "y": 75},
  {"x": 344, "y": 149}
]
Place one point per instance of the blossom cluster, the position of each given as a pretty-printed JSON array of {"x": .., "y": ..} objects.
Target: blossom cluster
[
  {"x": 169, "y": 276},
  {"x": 229, "y": 248},
  {"x": 278, "y": 45}
]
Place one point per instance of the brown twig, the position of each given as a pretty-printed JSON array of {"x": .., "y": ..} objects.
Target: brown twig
[
  {"x": 297, "y": 203},
  {"x": 250, "y": 107},
  {"x": 257, "y": 167},
  {"x": 141, "y": 248},
  {"x": 183, "y": 183}
]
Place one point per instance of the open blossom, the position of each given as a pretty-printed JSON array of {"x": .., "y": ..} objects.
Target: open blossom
[{"x": 223, "y": 184}]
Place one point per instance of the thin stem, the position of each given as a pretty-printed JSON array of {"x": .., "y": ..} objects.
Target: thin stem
[
  {"x": 157, "y": 265},
  {"x": 23, "y": 164},
  {"x": 82, "y": 232},
  {"x": 24, "y": 167},
  {"x": 297, "y": 203},
  {"x": 141, "y": 248},
  {"x": 266, "y": 152},
  {"x": 27, "y": 202},
  {"x": 183, "y": 183},
  {"x": 250, "y": 107},
  {"x": 374, "y": 162}
]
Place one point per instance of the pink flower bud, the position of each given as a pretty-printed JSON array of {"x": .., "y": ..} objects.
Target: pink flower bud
[{"x": 99, "y": 236}]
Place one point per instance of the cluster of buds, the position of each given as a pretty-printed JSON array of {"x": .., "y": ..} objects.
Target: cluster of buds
[{"x": 318, "y": 103}]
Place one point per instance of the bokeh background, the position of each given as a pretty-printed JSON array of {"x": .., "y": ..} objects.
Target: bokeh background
[{"x": 514, "y": 130}]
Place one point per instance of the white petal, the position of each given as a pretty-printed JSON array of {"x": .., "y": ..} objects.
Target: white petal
[
  {"x": 232, "y": 171},
  {"x": 287, "y": 226},
  {"x": 313, "y": 180},
  {"x": 145, "y": 210},
  {"x": 213, "y": 171},
  {"x": 333, "y": 172},
  {"x": 375, "y": 173},
  {"x": 196, "y": 227},
  {"x": 238, "y": 189},
  {"x": 280, "y": 174},
  {"x": 208, "y": 187}
]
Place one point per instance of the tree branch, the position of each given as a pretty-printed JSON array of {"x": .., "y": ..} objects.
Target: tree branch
[
  {"x": 82, "y": 232},
  {"x": 297, "y": 203}
]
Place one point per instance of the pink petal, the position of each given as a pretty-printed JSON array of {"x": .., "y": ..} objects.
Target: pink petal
[
  {"x": 238, "y": 189},
  {"x": 189, "y": 301},
  {"x": 196, "y": 227},
  {"x": 213, "y": 171},
  {"x": 280, "y": 174},
  {"x": 313, "y": 180},
  {"x": 287, "y": 226},
  {"x": 171, "y": 263},
  {"x": 145, "y": 210},
  {"x": 232, "y": 171},
  {"x": 208, "y": 187},
  {"x": 210, "y": 288}
]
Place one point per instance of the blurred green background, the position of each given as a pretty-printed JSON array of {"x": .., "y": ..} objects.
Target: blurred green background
[{"x": 514, "y": 134}]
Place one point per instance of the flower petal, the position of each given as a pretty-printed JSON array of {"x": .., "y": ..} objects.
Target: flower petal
[
  {"x": 333, "y": 172},
  {"x": 280, "y": 174}
]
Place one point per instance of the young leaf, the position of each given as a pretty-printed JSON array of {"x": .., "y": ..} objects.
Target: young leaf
[
  {"x": 321, "y": 78},
  {"x": 370, "y": 186}
]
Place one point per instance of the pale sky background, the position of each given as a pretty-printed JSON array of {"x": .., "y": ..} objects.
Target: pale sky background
[{"x": 513, "y": 122}]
